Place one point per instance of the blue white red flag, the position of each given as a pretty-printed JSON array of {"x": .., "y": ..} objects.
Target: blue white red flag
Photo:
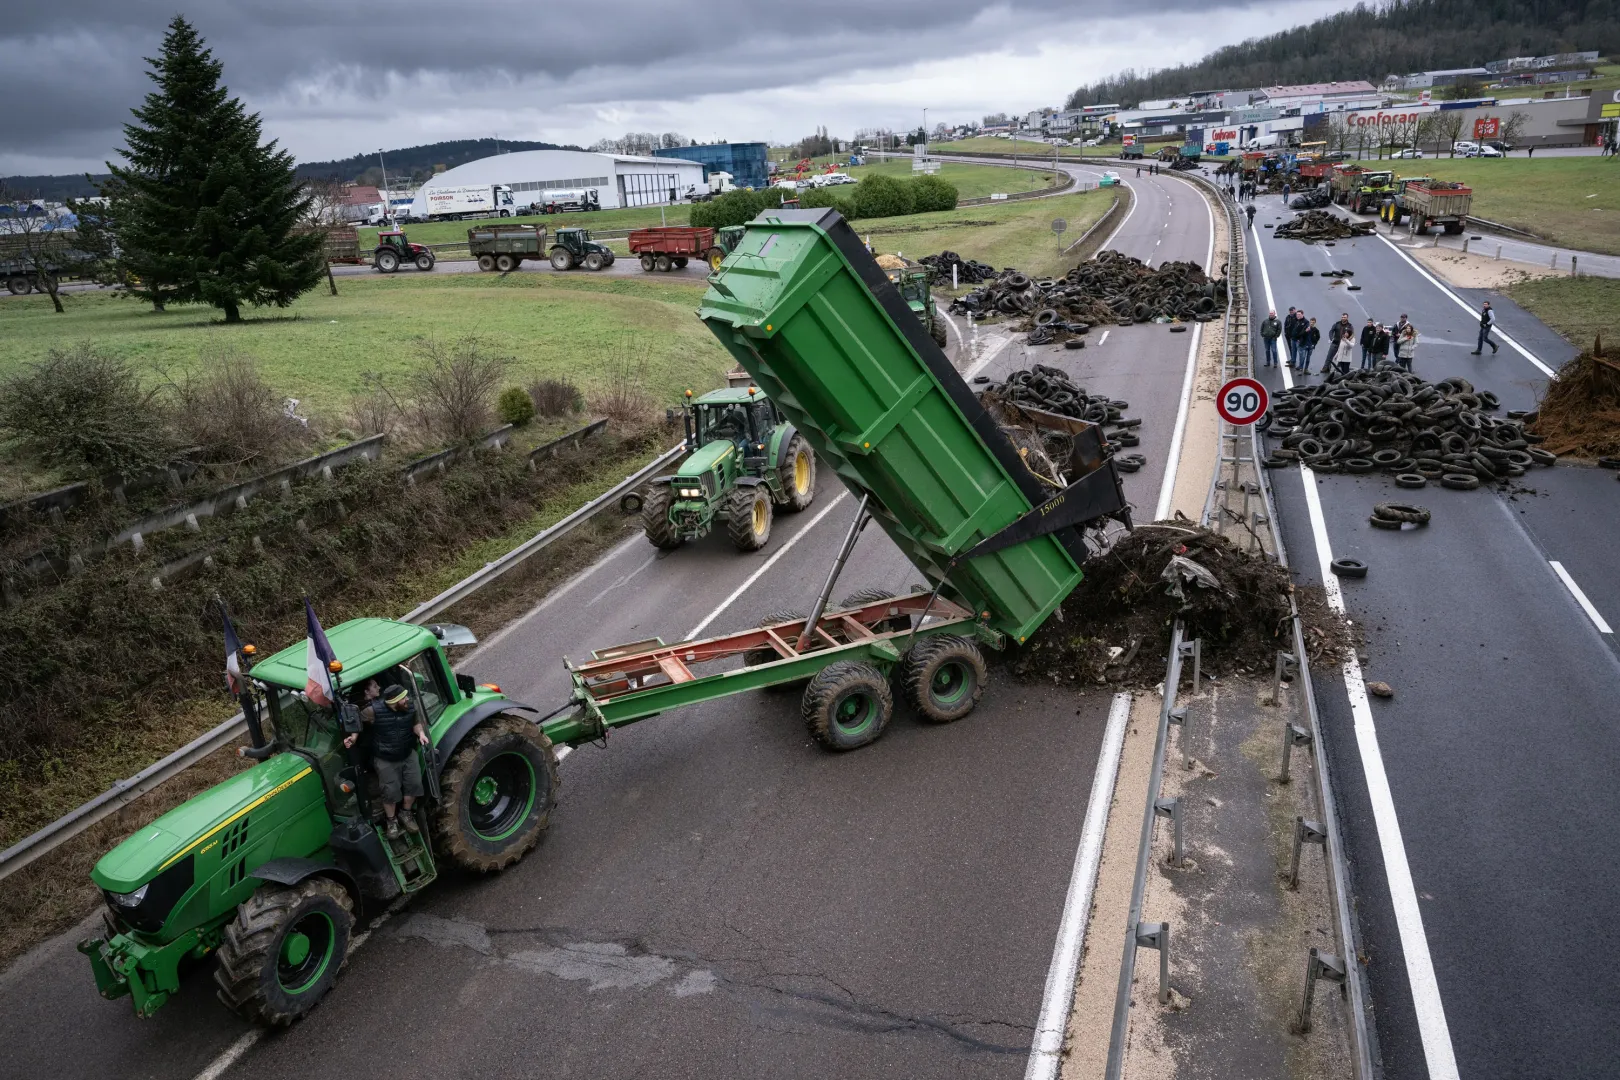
[
  {"x": 233, "y": 651},
  {"x": 318, "y": 658}
]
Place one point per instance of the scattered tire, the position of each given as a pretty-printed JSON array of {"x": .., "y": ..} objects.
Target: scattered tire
[
  {"x": 748, "y": 516},
  {"x": 1178, "y": 329},
  {"x": 1358, "y": 465},
  {"x": 1383, "y": 523},
  {"x": 1127, "y": 438},
  {"x": 498, "y": 790},
  {"x": 1074, "y": 343},
  {"x": 1307, "y": 273},
  {"x": 1350, "y": 568},
  {"x": 1608, "y": 462},
  {"x": 281, "y": 954},
  {"x": 847, "y": 705},
  {"x": 797, "y": 475},
  {"x": 1459, "y": 481},
  {"x": 631, "y": 502},
  {"x": 655, "y": 518},
  {"x": 943, "y": 678},
  {"x": 1408, "y": 512},
  {"x": 1542, "y": 457},
  {"x": 1411, "y": 480}
]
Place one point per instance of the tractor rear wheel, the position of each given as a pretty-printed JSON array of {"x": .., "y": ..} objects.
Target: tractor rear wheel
[
  {"x": 748, "y": 516},
  {"x": 486, "y": 263},
  {"x": 498, "y": 787},
  {"x": 655, "y": 518},
  {"x": 663, "y": 264},
  {"x": 943, "y": 678},
  {"x": 284, "y": 949},
  {"x": 425, "y": 261},
  {"x": 936, "y": 329},
  {"x": 18, "y": 285},
  {"x": 797, "y": 475},
  {"x": 594, "y": 261},
  {"x": 847, "y": 705},
  {"x": 504, "y": 263},
  {"x": 387, "y": 261},
  {"x": 562, "y": 259},
  {"x": 647, "y": 263}
]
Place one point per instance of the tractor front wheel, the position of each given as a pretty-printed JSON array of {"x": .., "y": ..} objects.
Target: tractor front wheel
[
  {"x": 748, "y": 516},
  {"x": 797, "y": 475},
  {"x": 425, "y": 261},
  {"x": 498, "y": 787},
  {"x": 716, "y": 256},
  {"x": 594, "y": 261},
  {"x": 284, "y": 950},
  {"x": 655, "y": 519},
  {"x": 847, "y": 705},
  {"x": 936, "y": 329}
]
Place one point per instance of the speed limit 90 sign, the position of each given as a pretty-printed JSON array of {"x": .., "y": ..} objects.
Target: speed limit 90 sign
[{"x": 1241, "y": 402}]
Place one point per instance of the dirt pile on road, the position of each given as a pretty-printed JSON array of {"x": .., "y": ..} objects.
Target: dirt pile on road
[
  {"x": 1580, "y": 412},
  {"x": 1115, "y": 627},
  {"x": 1109, "y": 288},
  {"x": 1322, "y": 225}
]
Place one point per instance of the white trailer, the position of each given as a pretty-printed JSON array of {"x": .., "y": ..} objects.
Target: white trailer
[{"x": 455, "y": 203}]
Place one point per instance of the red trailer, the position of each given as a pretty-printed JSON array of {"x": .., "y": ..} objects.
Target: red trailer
[{"x": 668, "y": 248}]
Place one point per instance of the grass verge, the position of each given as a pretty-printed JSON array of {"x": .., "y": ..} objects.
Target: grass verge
[
  {"x": 1570, "y": 201},
  {"x": 1579, "y": 308},
  {"x": 971, "y": 181}
]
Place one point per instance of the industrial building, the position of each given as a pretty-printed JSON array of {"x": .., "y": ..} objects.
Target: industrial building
[
  {"x": 745, "y": 162},
  {"x": 618, "y": 179}
]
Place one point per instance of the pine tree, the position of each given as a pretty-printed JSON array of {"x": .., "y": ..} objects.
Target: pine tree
[{"x": 202, "y": 212}]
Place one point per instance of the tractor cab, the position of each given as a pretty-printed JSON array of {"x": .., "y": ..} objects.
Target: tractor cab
[
  {"x": 911, "y": 279},
  {"x": 395, "y": 239},
  {"x": 739, "y": 418}
]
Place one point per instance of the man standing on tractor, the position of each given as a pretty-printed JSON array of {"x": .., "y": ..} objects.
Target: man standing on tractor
[{"x": 393, "y": 721}]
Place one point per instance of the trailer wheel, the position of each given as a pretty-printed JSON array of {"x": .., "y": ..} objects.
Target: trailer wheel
[
  {"x": 680, "y": 262},
  {"x": 504, "y": 263},
  {"x": 663, "y": 263},
  {"x": 715, "y": 257},
  {"x": 284, "y": 949},
  {"x": 862, "y": 597},
  {"x": 594, "y": 261},
  {"x": 562, "y": 259},
  {"x": 797, "y": 475},
  {"x": 19, "y": 285},
  {"x": 943, "y": 678},
  {"x": 498, "y": 787},
  {"x": 647, "y": 263},
  {"x": 655, "y": 518},
  {"x": 748, "y": 516},
  {"x": 847, "y": 705},
  {"x": 1453, "y": 228},
  {"x": 486, "y": 263}
]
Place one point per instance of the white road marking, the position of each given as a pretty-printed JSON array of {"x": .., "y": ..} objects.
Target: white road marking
[
  {"x": 1104, "y": 338},
  {"x": 623, "y": 579},
  {"x": 557, "y": 594},
  {"x": 1580, "y": 597},
  {"x": 1047, "y": 1052},
  {"x": 1433, "y": 1031},
  {"x": 1134, "y": 200},
  {"x": 1460, "y": 302},
  {"x": 989, "y": 355},
  {"x": 1167, "y": 486},
  {"x": 757, "y": 574}
]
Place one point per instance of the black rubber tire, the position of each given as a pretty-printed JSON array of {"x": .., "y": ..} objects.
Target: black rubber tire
[
  {"x": 1411, "y": 480},
  {"x": 1383, "y": 523},
  {"x": 249, "y": 976},
  {"x": 505, "y": 264},
  {"x": 680, "y": 262},
  {"x": 1127, "y": 438},
  {"x": 765, "y": 656},
  {"x": 741, "y": 510},
  {"x": 386, "y": 261},
  {"x": 18, "y": 285},
  {"x": 631, "y": 502},
  {"x": 595, "y": 261},
  {"x": 943, "y": 678},
  {"x": 1408, "y": 512},
  {"x": 1542, "y": 457},
  {"x": 662, "y": 263},
  {"x": 1349, "y": 568},
  {"x": 847, "y": 705},
  {"x": 517, "y": 756},
  {"x": 562, "y": 259},
  {"x": 936, "y": 330},
  {"x": 1459, "y": 481},
  {"x": 655, "y": 518},
  {"x": 793, "y": 500},
  {"x": 1358, "y": 465},
  {"x": 647, "y": 263},
  {"x": 425, "y": 261},
  {"x": 486, "y": 263},
  {"x": 862, "y": 597}
]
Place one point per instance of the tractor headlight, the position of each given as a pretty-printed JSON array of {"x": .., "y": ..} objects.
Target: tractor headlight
[
  {"x": 130, "y": 899},
  {"x": 148, "y": 907},
  {"x": 691, "y": 493}
]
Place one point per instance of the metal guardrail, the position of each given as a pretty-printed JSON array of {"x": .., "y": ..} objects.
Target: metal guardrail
[{"x": 121, "y": 794}]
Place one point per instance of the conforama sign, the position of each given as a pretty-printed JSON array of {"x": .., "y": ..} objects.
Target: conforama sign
[
  {"x": 1223, "y": 135},
  {"x": 1382, "y": 119}
]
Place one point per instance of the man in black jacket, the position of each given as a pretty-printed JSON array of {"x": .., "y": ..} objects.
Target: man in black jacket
[
  {"x": 1487, "y": 322},
  {"x": 1368, "y": 333},
  {"x": 1292, "y": 323},
  {"x": 395, "y": 733},
  {"x": 1339, "y": 332}
]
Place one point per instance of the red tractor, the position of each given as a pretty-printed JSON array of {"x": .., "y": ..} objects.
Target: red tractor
[{"x": 393, "y": 249}]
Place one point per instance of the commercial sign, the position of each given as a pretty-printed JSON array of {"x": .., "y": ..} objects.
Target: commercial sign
[
  {"x": 1223, "y": 135},
  {"x": 1380, "y": 119},
  {"x": 1487, "y": 127}
]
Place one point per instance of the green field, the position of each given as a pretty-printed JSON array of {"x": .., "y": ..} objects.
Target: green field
[
  {"x": 972, "y": 181},
  {"x": 565, "y": 326},
  {"x": 1570, "y": 201},
  {"x": 990, "y": 144},
  {"x": 1578, "y": 308}
]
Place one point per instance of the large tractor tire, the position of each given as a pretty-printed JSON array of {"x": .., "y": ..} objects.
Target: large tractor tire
[
  {"x": 426, "y": 260},
  {"x": 797, "y": 476},
  {"x": 595, "y": 261},
  {"x": 748, "y": 516},
  {"x": 715, "y": 257},
  {"x": 847, "y": 705},
  {"x": 680, "y": 262},
  {"x": 18, "y": 285},
  {"x": 664, "y": 264},
  {"x": 486, "y": 263},
  {"x": 936, "y": 329},
  {"x": 387, "y": 261},
  {"x": 498, "y": 787},
  {"x": 284, "y": 949},
  {"x": 943, "y": 678},
  {"x": 655, "y": 519},
  {"x": 562, "y": 259}
]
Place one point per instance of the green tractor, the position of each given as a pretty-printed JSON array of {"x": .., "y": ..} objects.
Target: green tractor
[
  {"x": 270, "y": 870},
  {"x": 574, "y": 247},
  {"x": 745, "y": 462},
  {"x": 912, "y": 281}
]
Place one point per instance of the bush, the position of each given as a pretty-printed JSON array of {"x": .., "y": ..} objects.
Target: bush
[
  {"x": 930, "y": 193},
  {"x": 373, "y": 411},
  {"x": 232, "y": 415},
  {"x": 824, "y": 196},
  {"x": 556, "y": 397},
  {"x": 82, "y": 407},
  {"x": 624, "y": 399},
  {"x": 880, "y": 196},
  {"x": 735, "y": 207},
  {"x": 454, "y": 386},
  {"x": 515, "y": 406}
]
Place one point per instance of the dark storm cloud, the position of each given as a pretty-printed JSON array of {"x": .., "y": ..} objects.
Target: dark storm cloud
[{"x": 83, "y": 62}]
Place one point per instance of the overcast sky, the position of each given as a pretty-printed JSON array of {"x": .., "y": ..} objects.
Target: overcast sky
[{"x": 333, "y": 79}]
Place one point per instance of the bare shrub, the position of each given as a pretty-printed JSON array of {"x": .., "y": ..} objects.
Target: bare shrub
[
  {"x": 85, "y": 407},
  {"x": 556, "y": 397},
  {"x": 374, "y": 410},
  {"x": 234, "y": 416},
  {"x": 624, "y": 398},
  {"x": 453, "y": 389}
]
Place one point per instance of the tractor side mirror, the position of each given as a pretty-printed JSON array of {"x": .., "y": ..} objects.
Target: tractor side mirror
[
  {"x": 349, "y": 715},
  {"x": 465, "y": 684}
]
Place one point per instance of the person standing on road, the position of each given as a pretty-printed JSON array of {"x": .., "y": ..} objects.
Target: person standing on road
[
  {"x": 1368, "y": 333},
  {"x": 1285, "y": 191},
  {"x": 1395, "y": 329},
  {"x": 1406, "y": 346},
  {"x": 1342, "y": 334},
  {"x": 1382, "y": 337},
  {"x": 1270, "y": 328},
  {"x": 1249, "y": 210},
  {"x": 1291, "y": 331},
  {"x": 1487, "y": 322},
  {"x": 1529, "y": 151},
  {"x": 1309, "y": 338}
]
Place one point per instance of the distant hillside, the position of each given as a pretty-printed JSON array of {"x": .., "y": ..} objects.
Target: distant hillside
[
  {"x": 1397, "y": 37},
  {"x": 417, "y": 162}
]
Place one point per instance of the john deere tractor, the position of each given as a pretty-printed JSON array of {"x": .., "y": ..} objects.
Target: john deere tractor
[
  {"x": 912, "y": 281},
  {"x": 269, "y": 870},
  {"x": 574, "y": 247},
  {"x": 745, "y": 463}
]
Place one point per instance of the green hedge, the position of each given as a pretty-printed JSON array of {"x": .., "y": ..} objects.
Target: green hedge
[
  {"x": 875, "y": 196},
  {"x": 735, "y": 207}
]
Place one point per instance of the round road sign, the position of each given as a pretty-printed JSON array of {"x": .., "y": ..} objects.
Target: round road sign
[
  {"x": 1241, "y": 402},
  {"x": 1059, "y": 225}
]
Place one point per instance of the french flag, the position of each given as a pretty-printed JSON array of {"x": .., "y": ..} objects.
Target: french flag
[
  {"x": 233, "y": 651},
  {"x": 318, "y": 658}
]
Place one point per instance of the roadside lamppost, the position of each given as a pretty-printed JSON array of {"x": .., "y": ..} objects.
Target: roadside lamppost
[{"x": 385, "y": 206}]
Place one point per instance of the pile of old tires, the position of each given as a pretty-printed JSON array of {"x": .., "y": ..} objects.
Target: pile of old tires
[
  {"x": 968, "y": 271},
  {"x": 1322, "y": 225},
  {"x": 1050, "y": 389},
  {"x": 1110, "y": 288},
  {"x": 1392, "y": 421},
  {"x": 1314, "y": 199}
]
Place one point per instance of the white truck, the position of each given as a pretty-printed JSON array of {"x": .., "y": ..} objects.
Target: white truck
[{"x": 456, "y": 203}]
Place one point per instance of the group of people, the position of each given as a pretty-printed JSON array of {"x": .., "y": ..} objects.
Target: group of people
[{"x": 1300, "y": 336}]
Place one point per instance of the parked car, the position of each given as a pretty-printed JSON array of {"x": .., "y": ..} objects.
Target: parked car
[
  {"x": 1409, "y": 154},
  {"x": 1464, "y": 149},
  {"x": 1335, "y": 155},
  {"x": 1486, "y": 151}
]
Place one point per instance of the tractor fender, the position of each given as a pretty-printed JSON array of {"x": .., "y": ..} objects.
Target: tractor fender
[
  {"x": 749, "y": 481},
  {"x": 464, "y": 725},
  {"x": 784, "y": 437},
  {"x": 291, "y": 870}
]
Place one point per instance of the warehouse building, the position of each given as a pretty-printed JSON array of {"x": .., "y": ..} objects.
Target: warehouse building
[
  {"x": 745, "y": 162},
  {"x": 617, "y": 179}
]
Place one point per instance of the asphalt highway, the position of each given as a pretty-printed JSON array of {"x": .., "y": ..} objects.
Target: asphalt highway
[
  {"x": 1469, "y": 797},
  {"x": 717, "y": 896}
]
